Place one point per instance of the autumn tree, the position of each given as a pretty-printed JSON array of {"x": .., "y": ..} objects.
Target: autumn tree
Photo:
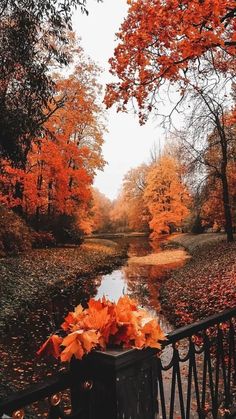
[
  {"x": 101, "y": 208},
  {"x": 158, "y": 46},
  {"x": 129, "y": 212},
  {"x": 192, "y": 49},
  {"x": 134, "y": 185},
  {"x": 214, "y": 207},
  {"x": 153, "y": 197},
  {"x": 61, "y": 165},
  {"x": 208, "y": 142},
  {"x": 33, "y": 39},
  {"x": 166, "y": 196},
  {"x": 119, "y": 214}
]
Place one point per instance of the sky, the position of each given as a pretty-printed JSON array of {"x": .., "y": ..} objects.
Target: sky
[{"x": 127, "y": 144}]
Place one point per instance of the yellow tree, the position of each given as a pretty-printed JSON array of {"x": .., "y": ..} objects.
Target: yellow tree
[
  {"x": 101, "y": 207},
  {"x": 133, "y": 190},
  {"x": 119, "y": 214},
  {"x": 166, "y": 196}
]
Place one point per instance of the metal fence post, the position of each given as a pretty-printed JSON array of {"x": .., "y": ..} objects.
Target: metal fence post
[{"x": 117, "y": 384}]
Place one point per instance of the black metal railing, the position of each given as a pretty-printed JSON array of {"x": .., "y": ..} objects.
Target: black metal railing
[
  {"x": 194, "y": 376},
  {"x": 18, "y": 404},
  {"x": 203, "y": 369}
]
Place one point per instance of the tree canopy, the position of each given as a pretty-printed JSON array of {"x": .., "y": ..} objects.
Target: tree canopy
[
  {"x": 189, "y": 44},
  {"x": 61, "y": 163},
  {"x": 33, "y": 39},
  {"x": 160, "y": 41}
]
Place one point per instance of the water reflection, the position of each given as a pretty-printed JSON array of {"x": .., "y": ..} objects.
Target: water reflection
[
  {"x": 141, "y": 282},
  {"x": 25, "y": 335},
  {"x": 113, "y": 285}
]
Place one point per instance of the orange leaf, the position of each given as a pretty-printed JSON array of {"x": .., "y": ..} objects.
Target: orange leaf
[{"x": 51, "y": 346}]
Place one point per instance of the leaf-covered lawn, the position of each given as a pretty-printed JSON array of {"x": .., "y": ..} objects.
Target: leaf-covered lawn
[
  {"x": 206, "y": 284},
  {"x": 36, "y": 291},
  {"x": 28, "y": 278}
]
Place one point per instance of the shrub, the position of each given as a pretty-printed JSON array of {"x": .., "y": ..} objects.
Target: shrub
[
  {"x": 15, "y": 236},
  {"x": 42, "y": 239},
  {"x": 65, "y": 230},
  {"x": 197, "y": 227},
  {"x": 62, "y": 228}
]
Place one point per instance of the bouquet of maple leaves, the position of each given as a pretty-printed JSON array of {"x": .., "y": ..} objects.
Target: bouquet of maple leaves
[{"x": 103, "y": 324}]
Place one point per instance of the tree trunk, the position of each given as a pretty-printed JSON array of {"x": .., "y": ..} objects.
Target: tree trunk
[
  {"x": 50, "y": 184},
  {"x": 227, "y": 211},
  {"x": 19, "y": 190},
  {"x": 224, "y": 180}
]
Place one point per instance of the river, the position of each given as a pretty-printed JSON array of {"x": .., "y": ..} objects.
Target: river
[{"x": 142, "y": 282}]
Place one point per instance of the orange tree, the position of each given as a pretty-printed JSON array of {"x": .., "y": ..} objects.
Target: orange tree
[
  {"x": 192, "y": 47},
  {"x": 134, "y": 185},
  {"x": 61, "y": 165},
  {"x": 100, "y": 212},
  {"x": 159, "y": 41},
  {"x": 33, "y": 39},
  {"x": 129, "y": 211}
]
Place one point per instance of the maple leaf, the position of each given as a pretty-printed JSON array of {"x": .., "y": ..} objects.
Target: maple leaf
[
  {"x": 124, "y": 309},
  {"x": 79, "y": 343},
  {"x": 70, "y": 321},
  {"x": 96, "y": 319},
  {"x": 104, "y": 323},
  {"x": 51, "y": 347},
  {"x": 75, "y": 348}
]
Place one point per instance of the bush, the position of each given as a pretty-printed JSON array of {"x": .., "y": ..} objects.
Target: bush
[
  {"x": 60, "y": 227},
  {"x": 197, "y": 227},
  {"x": 65, "y": 230},
  {"x": 15, "y": 236},
  {"x": 42, "y": 239}
]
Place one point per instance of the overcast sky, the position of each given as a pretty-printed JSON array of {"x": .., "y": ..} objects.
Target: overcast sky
[{"x": 127, "y": 144}]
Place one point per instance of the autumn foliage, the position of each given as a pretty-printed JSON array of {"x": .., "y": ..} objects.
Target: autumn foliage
[
  {"x": 160, "y": 41},
  {"x": 167, "y": 196},
  {"x": 101, "y": 325},
  {"x": 15, "y": 236},
  {"x": 61, "y": 164},
  {"x": 182, "y": 51},
  {"x": 203, "y": 287},
  {"x": 100, "y": 212},
  {"x": 154, "y": 198}
]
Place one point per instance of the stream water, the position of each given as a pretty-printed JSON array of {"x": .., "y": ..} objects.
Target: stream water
[{"x": 142, "y": 282}]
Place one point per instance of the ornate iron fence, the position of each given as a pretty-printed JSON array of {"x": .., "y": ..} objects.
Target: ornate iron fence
[
  {"x": 193, "y": 377},
  {"x": 203, "y": 369}
]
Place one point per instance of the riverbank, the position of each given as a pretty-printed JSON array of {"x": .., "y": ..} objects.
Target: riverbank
[
  {"x": 43, "y": 273},
  {"x": 206, "y": 284},
  {"x": 36, "y": 291}
]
